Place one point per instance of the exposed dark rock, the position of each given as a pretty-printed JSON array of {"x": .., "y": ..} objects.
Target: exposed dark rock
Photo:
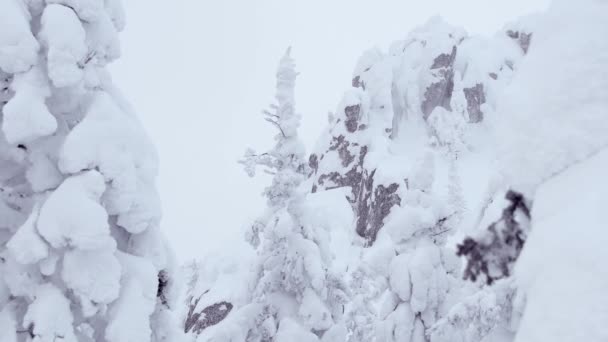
[
  {"x": 513, "y": 34},
  {"x": 352, "y": 117},
  {"x": 209, "y": 316},
  {"x": 475, "y": 98},
  {"x": 493, "y": 75},
  {"x": 364, "y": 205},
  {"x": 440, "y": 92},
  {"x": 372, "y": 210},
  {"x": 341, "y": 145},
  {"x": 352, "y": 178},
  {"x": 161, "y": 292},
  {"x": 523, "y": 39},
  {"x": 5, "y": 91},
  {"x": 444, "y": 60},
  {"x": 313, "y": 164},
  {"x": 371, "y": 203},
  {"x": 357, "y": 82}
]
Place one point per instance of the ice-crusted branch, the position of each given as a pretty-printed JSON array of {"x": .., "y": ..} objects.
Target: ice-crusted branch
[
  {"x": 478, "y": 315},
  {"x": 285, "y": 160},
  {"x": 493, "y": 253}
]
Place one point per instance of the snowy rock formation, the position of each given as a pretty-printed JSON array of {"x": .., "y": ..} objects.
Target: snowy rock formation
[{"x": 448, "y": 145}]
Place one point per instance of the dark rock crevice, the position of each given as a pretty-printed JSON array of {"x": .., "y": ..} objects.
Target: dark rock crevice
[
  {"x": 439, "y": 93},
  {"x": 209, "y": 316},
  {"x": 475, "y": 97}
]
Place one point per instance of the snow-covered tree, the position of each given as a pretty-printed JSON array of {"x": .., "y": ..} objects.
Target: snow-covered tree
[
  {"x": 491, "y": 310},
  {"x": 285, "y": 161},
  {"x": 82, "y": 257},
  {"x": 493, "y": 255},
  {"x": 293, "y": 295},
  {"x": 292, "y": 269}
]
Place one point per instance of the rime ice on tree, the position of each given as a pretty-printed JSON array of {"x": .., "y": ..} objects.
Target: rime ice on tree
[{"x": 81, "y": 252}]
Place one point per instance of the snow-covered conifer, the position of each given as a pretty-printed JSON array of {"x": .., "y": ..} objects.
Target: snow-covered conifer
[
  {"x": 82, "y": 257},
  {"x": 293, "y": 265},
  {"x": 293, "y": 294},
  {"x": 286, "y": 160}
]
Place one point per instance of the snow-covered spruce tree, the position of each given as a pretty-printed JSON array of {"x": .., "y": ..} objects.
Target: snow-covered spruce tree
[
  {"x": 298, "y": 298},
  {"x": 293, "y": 295},
  {"x": 81, "y": 254}
]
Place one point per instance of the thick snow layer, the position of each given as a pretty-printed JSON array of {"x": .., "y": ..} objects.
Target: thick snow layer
[
  {"x": 313, "y": 311},
  {"x": 86, "y": 228},
  {"x": 562, "y": 266},
  {"x": 26, "y": 116},
  {"x": 87, "y": 10},
  {"x": 20, "y": 280},
  {"x": 130, "y": 313},
  {"x": 81, "y": 252},
  {"x": 117, "y": 13},
  {"x": 111, "y": 140},
  {"x": 102, "y": 39},
  {"x": 537, "y": 125},
  {"x": 18, "y": 47},
  {"x": 290, "y": 331},
  {"x": 42, "y": 172},
  {"x": 50, "y": 315},
  {"x": 330, "y": 212},
  {"x": 216, "y": 279},
  {"x": 399, "y": 279},
  {"x": 26, "y": 245},
  {"x": 93, "y": 276},
  {"x": 482, "y": 316},
  {"x": 8, "y": 325},
  {"x": 64, "y": 39}
]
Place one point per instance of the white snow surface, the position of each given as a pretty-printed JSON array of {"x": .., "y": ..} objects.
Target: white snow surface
[
  {"x": 26, "y": 115},
  {"x": 539, "y": 126},
  {"x": 561, "y": 267},
  {"x": 64, "y": 39},
  {"x": 18, "y": 47},
  {"x": 86, "y": 228},
  {"x": 50, "y": 315}
]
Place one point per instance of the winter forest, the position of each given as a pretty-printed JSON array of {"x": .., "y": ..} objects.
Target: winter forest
[{"x": 454, "y": 192}]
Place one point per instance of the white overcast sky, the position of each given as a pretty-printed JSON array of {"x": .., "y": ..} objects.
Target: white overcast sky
[{"x": 199, "y": 72}]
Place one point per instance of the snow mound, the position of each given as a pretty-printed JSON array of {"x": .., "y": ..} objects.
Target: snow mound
[
  {"x": 540, "y": 127},
  {"x": 561, "y": 266}
]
